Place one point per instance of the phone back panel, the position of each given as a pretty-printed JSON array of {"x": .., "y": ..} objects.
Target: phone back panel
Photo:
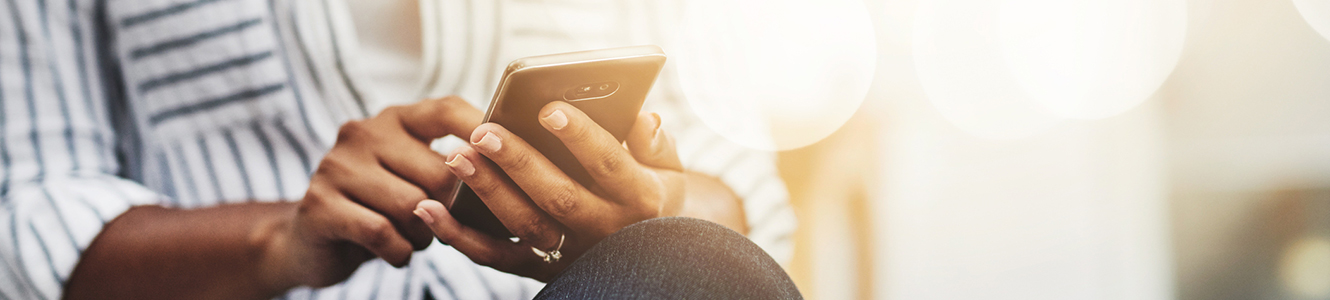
[{"x": 531, "y": 83}]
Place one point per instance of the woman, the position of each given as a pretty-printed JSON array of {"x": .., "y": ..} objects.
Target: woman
[{"x": 207, "y": 148}]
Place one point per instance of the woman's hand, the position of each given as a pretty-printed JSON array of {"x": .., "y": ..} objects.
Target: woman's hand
[
  {"x": 544, "y": 207},
  {"x": 360, "y": 199}
]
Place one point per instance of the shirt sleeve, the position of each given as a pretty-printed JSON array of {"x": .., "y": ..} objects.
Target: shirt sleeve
[{"x": 57, "y": 188}]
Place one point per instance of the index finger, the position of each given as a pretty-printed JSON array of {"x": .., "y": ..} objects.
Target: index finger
[
  {"x": 483, "y": 249},
  {"x": 650, "y": 145}
]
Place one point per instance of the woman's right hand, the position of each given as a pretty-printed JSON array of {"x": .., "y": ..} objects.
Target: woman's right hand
[{"x": 360, "y": 200}]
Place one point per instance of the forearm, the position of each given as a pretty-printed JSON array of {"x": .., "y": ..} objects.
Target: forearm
[
  {"x": 151, "y": 252},
  {"x": 709, "y": 199}
]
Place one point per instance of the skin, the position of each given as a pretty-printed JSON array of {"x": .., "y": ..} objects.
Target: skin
[
  {"x": 540, "y": 204},
  {"x": 367, "y": 199}
]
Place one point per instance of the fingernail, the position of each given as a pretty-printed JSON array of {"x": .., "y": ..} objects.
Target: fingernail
[
  {"x": 489, "y": 143},
  {"x": 656, "y": 117},
  {"x": 423, "y": 214},
  {"x": 655, "y": 134},
  {"x": 461, "y": 165},
  {"x": 557, "y": 120}
]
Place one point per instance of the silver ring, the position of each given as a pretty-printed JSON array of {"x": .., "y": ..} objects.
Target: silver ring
[{"x": 551, "y": 256}]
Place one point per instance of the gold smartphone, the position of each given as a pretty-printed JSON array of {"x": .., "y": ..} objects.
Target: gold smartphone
[{"x": 609, "y": 85}]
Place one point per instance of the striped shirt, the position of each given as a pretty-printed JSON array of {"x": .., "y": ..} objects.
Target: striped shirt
[{"x": 108, "y": 104}]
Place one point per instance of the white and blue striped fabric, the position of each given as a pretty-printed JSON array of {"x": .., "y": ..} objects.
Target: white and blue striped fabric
[{"x": 108, "y": 104}]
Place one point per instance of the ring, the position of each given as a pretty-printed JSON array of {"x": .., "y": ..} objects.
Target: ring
[{"x": 551, "y": 256}]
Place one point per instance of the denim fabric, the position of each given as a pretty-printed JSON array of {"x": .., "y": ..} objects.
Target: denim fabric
[{"x": 673, "y": 258}]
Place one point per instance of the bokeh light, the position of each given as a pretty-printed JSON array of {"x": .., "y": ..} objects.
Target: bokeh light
[
  {"x": 1015, "y": 68},
  {"x": 1317, "y": 14},
  {"x": 1304, "y": 268},
  {"x": 1092, "y": 59},
  {"x": 958, "y": 59},
  {"x": 799, "y": 68}
]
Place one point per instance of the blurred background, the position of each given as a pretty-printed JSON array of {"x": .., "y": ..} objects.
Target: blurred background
[{"x": 1026, "y": 149}]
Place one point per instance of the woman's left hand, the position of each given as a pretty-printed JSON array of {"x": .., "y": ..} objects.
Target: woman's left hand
[{"x": 543, "y": 206}]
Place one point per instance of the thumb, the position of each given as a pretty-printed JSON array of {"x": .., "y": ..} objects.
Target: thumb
[
  {"x": 435, "y": 118},
  {"x": 650, "y": 145}
]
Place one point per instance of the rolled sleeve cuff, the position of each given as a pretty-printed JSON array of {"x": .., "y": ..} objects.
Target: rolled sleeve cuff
[{"x": 46, "y": 226}]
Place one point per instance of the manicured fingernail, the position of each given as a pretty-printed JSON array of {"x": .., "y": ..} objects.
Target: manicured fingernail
[
  {"x": 557, "y": 120},
  {"x": 424, "y": 215},
  {"x": 489, "y": 143},
  {"x": 461, "y": 165}
]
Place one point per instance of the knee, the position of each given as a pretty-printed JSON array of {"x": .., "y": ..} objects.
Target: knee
[
  {"x": 678, "y": 230},
  {"x": 702, "y": 255},
  {"x": 673, "y": 236}
]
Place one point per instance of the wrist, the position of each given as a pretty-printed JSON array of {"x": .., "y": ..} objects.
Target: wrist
[{"x": 273, "y": 239}]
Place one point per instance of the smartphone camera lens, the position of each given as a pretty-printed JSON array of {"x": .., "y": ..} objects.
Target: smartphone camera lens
[{"x": 595, "y": 90}]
